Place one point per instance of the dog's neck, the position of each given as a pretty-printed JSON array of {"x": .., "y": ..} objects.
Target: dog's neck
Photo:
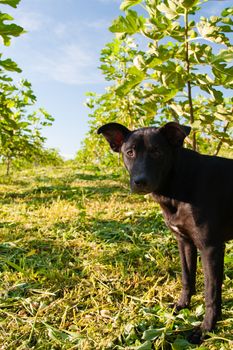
[{"x": 180, "y": 177}]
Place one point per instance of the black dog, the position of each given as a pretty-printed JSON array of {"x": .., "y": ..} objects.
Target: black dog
[{"x": 195, "y": 193}]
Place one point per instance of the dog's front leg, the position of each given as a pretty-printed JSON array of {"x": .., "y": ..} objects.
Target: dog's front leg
[
  {"x": 188, "y": 256},
  {"x": 212, "y": 260}
]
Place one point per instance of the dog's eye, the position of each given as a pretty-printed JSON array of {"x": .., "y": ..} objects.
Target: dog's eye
[
  {"x": 130, "y": 153},
  {"x": 155, "y": 151}
]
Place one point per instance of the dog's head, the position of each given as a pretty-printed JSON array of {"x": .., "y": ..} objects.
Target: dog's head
[{"x": 147, "y": 153}]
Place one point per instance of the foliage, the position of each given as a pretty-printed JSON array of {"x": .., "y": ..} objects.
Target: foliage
[
  {"x": 20, "y": 135},
  {"x": 48, "y": 156},
  {"x": 9, "y": 30},
  {"x": 113, "y": 105},
  {"x": 41, "y": 157},
  {"x": 86, "y": 265},
  {"x": 20, "y": 130},
  {"x": 179, "y": 69}
]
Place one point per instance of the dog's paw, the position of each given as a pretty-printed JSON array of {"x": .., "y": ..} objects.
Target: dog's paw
[
  {"x": 197, "y": 336},
  {"x": 176, "y": 307}
]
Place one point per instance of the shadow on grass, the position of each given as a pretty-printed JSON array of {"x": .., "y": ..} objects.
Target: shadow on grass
[
  {"x": 111, "y": 231},
  {"x": 43, "y": 263},
  {"x": 56, "y": 256},
  {"x": 88, "y": 177},
  {"x": 48, "y": 194},
  {"x": 44, "y": 179},
  {"x": 9, "y": 181},
  {"x": 58, "y": 266},
  {"x": 9, "y": 224}
]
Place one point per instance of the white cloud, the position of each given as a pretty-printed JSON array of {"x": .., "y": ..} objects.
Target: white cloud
[
  {"x": 70, "y": 64},
  {"x": 60, "y": 30},
  {"x": 98, "y": 24},
  {"x": 66, "y": 52},
  {"x": 79, "y": 30},
  {"x": 30, "y": 21}
]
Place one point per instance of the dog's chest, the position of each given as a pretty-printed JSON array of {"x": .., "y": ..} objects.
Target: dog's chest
[{"x": 177, "y": 215}]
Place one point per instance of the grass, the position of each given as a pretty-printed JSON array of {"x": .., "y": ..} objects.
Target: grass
[{"x": 86, "y": 265}]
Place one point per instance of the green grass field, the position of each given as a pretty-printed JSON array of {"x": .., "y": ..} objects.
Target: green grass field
[{"x": 86, "y": 265}]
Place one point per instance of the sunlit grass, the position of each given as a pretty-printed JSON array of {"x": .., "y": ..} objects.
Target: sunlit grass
[{"x": 86, "y": 265}]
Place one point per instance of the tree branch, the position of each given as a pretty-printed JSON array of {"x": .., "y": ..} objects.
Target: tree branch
[{"x": 194, "y": 143}]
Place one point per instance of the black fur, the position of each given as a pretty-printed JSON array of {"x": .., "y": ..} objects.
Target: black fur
[{"x": 195, "y": 193}]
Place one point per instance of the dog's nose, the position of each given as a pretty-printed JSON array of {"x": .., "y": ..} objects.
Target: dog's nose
[{"x": 140, "y": 181}]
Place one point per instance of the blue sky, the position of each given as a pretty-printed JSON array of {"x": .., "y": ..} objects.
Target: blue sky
[{"x": 59, "y": 55}]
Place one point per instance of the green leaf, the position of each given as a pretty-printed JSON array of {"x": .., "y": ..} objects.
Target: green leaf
[
  {"x": 199, "y": 310},
  {"x": 23, "y": 125},
  {"x": 189, "y": 3},
  {"x": 5, "y": 78},
  {"x": 12, "y": 3},
  {"x": 223, "y": 56},
  {"x": 177, "y": 108},
  {"x": 10, "y": 122},
  {"x": 10, "y": 103},
  {"x": 169, "y": 12},
  {"x": 139, "y": 62},
  {"x": 133, "y": 78},
  {"x": 130, "y": 24},
  {"x": 146, "y": 346},
  {"x": 155, "y": 61},
  {"x": 227, "y": 12},
  {"x": 10, "y": 29},
  {"x": 10, "y": 65},
  {"x": 223, "y": 75},
  {"x": 170, "y": 94},
  {"x": 5, "y": 17},
  {"x": 216, "y": 95},
  {"x": 151, "y": 334},
  {"x": 128, "y": 3},
  {"x": 180, "y": 344},
  {"x": 210, "y": 31}
]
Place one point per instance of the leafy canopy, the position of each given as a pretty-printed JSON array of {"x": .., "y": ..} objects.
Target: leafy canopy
[
  {"x": 20, "y": 129},
  {"x": 168, "y": 62}
]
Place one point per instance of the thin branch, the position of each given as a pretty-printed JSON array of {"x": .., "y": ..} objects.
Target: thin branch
[
  {"x": 221, "y": 142},
  {"x": 194, "y": 145}
]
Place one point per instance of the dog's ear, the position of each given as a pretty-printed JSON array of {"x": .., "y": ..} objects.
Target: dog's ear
[
  {"x": 115, "y": 134},
  {"x": 175, "y": 133}
]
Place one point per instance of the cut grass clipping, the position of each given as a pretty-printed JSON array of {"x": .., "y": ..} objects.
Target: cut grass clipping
[{"x": 86, "y": 265}]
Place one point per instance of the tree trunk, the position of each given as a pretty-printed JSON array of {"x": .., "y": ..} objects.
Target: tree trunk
[{"x": 8, "y": 166}]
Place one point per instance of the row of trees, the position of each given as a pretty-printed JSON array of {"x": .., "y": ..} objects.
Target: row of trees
[
  {"x": 20, "y": 125},
  {"x": 166, "y": 62}
]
